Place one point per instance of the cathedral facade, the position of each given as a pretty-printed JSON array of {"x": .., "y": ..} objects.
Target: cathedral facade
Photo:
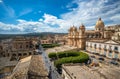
[
  {"x": 103, "y": 40},
  {"x": 78, "y": 37}
]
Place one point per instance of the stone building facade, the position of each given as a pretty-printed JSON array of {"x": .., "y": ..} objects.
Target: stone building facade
[
  {"x": 59, "y": 39},
  {"x": 18, "y": 47},
  {"x": 47, "y": 41},
  {"x": 116, "y": 35},
  {"x": 77, "y": 37},
  {"x": 110, "y": 49},
  {"x": 81, "y": 37}
]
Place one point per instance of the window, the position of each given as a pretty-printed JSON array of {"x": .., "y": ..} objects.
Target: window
[
  {"x": 115, "y": 55},
  {"x": 104, "y": 46},
  {"x": 35, "y": 53},
  {"x": 20, "y": 46},
  {"x": 83, "y": 32},
  {"x": 110, "y": 54},
  {"x": 19, "y": 54},
  {"x": 100, "y": 45},
  {"x": 30, "y": 53},
  {"x": 13, "y": 54},
  {"x": 8, "y": 55},
  {"x": 24, "y": 54},
  {"x": 116, "y": 48},
  {"x": 95, "y": 46},
  {"x": 27, "y": 46},
  {"x": 99, "y": 29},
  {"x": 90, "y": 44},
  {"x": 30, "y": 46}
]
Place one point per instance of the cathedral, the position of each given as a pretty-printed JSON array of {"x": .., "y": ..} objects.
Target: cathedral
[{"x": 78, "y": 37}]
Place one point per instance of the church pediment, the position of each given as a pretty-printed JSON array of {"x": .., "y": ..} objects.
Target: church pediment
[{"x": 111, "y": 42}]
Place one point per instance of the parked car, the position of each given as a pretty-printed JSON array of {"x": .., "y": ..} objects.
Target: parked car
[
  {"x": 113, "y": 62},
  {"x": 96, "y": 53},
  {"x": 102, "y": 59},
  {"x": 103, "y": 55},
  {"x": 92, "y": 56}
]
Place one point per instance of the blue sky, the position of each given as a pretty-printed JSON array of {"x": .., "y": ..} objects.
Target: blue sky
[{"x": 26, "y": 16}]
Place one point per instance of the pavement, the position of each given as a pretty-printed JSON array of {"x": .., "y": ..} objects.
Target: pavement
[
  {"x": 60, "y": 49},
  {"x": 49, "y": 65}
]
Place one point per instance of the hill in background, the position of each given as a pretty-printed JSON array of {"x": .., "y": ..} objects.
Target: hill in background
[{"x": 41, "y": 35}]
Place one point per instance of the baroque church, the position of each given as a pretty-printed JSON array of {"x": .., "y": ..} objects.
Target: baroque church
[{"x": 78, "y": 37}]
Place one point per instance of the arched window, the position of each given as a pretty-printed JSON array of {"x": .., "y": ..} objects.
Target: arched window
[
  {"x": 19, "y": 54},
  {"x": 8, "y": 54},
  {"x": 35, "y": 53},
  {"x": 96, "y": 35},
  {"x": 20, "y": 46},
  {"x": 14, "y": 54},
  {"x": 24, "y": 54},
  {"x": 99, "y": 29},
  {"x": 27, "y": 46},
  {"x": 30, "y": 53}
]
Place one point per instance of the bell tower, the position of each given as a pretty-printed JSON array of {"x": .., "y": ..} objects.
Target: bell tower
[{"x": 82, "y": 37}]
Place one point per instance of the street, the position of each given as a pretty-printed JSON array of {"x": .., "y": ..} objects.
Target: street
[
  {"x": 106, "y": 60},
  {"x": 49, "y": 65}
]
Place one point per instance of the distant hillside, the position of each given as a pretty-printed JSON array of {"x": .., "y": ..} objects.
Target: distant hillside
[{"x": 6, "y": 36}]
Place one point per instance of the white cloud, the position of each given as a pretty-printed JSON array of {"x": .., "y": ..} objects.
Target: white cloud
[
  {"x": 86, "y": 13},
  {"x": 24, "y": 26},
  {"x": 7, "y": 27},
  {"x": 50, "y": 19},
  {"x": 116, "y": 18},
  {"x": 1, "y": 1}
]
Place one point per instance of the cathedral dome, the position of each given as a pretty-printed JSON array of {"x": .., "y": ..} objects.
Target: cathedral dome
[
  {"x": 82, "y": 27},
  {"x": 99, "y": 24}
]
